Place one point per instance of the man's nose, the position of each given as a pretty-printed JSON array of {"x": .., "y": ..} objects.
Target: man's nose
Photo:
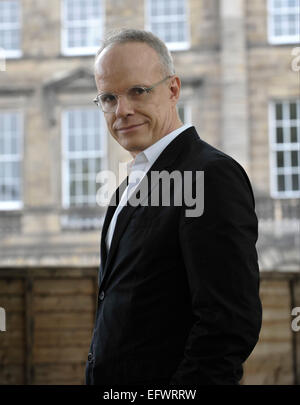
[{"x": 124, "y": 106}]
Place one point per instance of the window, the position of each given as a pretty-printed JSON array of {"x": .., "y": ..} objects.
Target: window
[
  {"x": 168, "y": 20},
  {"x": 10, "y": 160},
  {"x": 10, "y": 28},
  {"x": 84, "y": 150},
  {"x": 285, "y": 146},
  {"x": 82, "y": 26},
  {"x": 283, "y": 21}
]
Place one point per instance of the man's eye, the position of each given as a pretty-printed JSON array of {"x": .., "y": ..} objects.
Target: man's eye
[
  {"x": 108, "y": 98},
  {"x": 137, "y": 91}
]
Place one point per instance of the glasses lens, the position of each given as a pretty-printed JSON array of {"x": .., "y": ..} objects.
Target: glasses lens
[
  {"x": 108, "y": 102},
  {"x": 136, "y": 93}
]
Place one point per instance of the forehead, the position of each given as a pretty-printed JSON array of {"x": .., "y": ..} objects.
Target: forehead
[{"x": 123, "y": 65}]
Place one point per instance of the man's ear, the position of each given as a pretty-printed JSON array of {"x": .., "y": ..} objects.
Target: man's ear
[{"x": 175, "y": 85}]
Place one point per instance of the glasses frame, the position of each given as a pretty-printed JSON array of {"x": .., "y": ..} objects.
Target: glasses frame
[{"x": 96, "y": 100}]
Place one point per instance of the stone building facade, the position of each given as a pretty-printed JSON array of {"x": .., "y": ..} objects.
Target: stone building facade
[{"x": 239, "y": 65}]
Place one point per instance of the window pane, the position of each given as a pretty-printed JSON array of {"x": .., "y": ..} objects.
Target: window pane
[
  {"x": 98, "y": 165},
  {"x": 279, "y": 111},
  {"x": 72, "y": 143},
  {"x": 85, "y": 187},
  {"x": 15, "y": 39},
  {"x": 280, "y": 159},
  {"x": 72, "y": 188},
  {"x": 91, "y": 163},
  {"x": 2, "y": 151},
  {"x": 72, "y": 167},
  {"x": 92, "y": 190},
  {"x": 15, "y": 193},
  {"x": 279, "y": 135},
  {"x": 292, "y": 28},
  {"x": 84, "y": 142},
  {"x": 281, "y": 182},
  {"x": 85, "y": 166},
  {"x": 16, "y": 170},
  {"x": 78, "y": 166},
  {"x": 2, "y": 171},
  {"x": 293, "y": 111},
  {"x": 294, "y": 158},
  {"x": 294, "y": 137},
  {"x": 278, "y": 30},
  {"x": 3, "y": 192},
  {"x": 295, "y": 182}
]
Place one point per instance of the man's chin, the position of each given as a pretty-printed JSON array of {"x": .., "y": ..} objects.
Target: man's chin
[
  {"x": 133, "y": 147},
  {"x": 134, "y": 150}
]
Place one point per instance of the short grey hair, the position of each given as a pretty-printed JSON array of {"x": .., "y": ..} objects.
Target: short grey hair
[{"x": 133, "y": 35}]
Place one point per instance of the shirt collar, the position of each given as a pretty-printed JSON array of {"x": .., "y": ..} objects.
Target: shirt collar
[{"x": 151, "y": 153}]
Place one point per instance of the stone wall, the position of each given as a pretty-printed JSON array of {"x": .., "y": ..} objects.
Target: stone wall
[
  {"x": 270, "y": 77},
  {"x": 274, "y": 360},
  {"x": 50, "y": 315}
]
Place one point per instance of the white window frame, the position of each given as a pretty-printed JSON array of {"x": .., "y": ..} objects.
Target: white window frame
[
  {"x": 14, "y": 205},
  {"x": 12, "y": 53},
  {"x": 88, "y": 50},
  {"x": 274, "y": 147},
  {"x": 172, "y": 46},
  {"x": 102, "y": 154},
  {"x": 283, "y": 39}
]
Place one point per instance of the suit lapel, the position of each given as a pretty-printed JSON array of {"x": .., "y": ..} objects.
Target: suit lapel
[
  {"x": 163, "y": 162},
  {"x": 108, "y": 217}
]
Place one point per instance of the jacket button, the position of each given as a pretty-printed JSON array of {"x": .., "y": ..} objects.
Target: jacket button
[
  {"x": 90, "y": 357},
  {"x": 101, "y": 296}
]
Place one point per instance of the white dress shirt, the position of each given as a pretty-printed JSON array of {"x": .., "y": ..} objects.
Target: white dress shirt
[{"x": 137, "y": 169}]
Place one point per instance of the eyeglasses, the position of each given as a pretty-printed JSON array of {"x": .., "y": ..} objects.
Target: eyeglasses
[{"x": 108, "y": 102}]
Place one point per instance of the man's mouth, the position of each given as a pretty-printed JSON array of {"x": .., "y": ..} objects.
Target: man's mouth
[{"x": 129, "y": 128}]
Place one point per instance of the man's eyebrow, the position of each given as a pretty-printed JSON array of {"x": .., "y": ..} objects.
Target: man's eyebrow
[
  {"x": 127, "y": 88},
  {"x": 138, "y": 85}
]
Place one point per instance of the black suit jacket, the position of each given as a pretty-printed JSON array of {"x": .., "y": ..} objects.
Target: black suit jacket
[{"x": 179, "y": 296}]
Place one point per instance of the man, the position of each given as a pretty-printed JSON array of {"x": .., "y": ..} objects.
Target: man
[{"x": 178, "y": 295}]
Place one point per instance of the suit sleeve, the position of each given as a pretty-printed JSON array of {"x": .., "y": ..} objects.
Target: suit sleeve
[{"x": 220, "y": 260}]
